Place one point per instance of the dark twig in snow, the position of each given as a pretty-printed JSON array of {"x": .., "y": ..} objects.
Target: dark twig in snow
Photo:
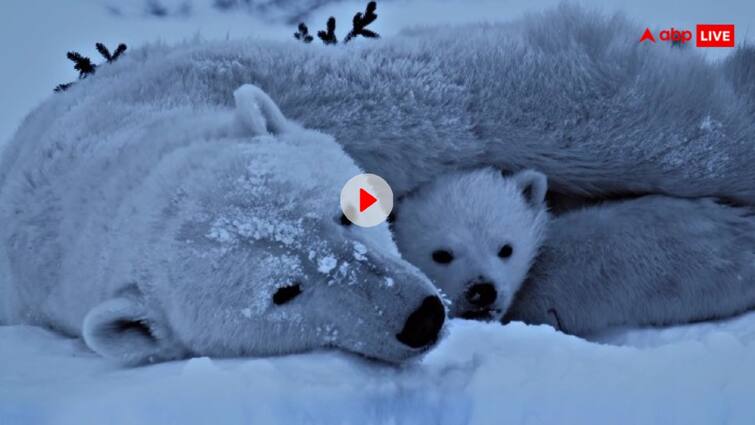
[
  {"x": 85, "y": 66},
  {"x": 361, "y": 21},
  {"x": 329, "y": 36},
  {"x": 303, "y": 34},
  {"x": 63, "y": 87},
  {"x": 82, "y": 64},
  {"x": 111, "y": 57},
  {"x": 106, "y": 53}
]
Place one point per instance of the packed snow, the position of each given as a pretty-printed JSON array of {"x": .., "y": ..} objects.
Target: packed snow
[{"x": 480, "y": 374}]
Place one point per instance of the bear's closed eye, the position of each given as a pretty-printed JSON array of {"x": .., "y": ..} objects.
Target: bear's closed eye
[
  {"x": 442, "y": 256},
  {"x": 286, "y": 294}
]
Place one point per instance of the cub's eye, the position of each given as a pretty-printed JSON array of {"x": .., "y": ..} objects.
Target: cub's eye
[
  {"x": 442, "y": 256},
  {"x": 286, "y": 294},
  {"x": 506, "y": 251},
  {"x": 344, "y": 220}
]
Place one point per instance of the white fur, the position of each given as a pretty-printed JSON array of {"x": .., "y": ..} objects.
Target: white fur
[
  {"x": 253, "y": 105},
  {"x": 654, "y": 260},
  {"x": 569, "y": 93},
  {"x": 472, "y": 215},
  {"x": 157, "y": 230}
]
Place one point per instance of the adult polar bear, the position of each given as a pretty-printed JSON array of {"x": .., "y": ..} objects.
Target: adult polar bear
[
  {"x": 157, "y": 231},
  {"x": 570, "y": 93}
]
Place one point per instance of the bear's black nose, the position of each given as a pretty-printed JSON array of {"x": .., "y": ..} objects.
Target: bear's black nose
[
  {"x": 481, "y": 294},
  {"x": 422, "y": 327}
]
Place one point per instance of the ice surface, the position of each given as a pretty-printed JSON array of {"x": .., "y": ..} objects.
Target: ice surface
[{"x": 479, "y": 374}]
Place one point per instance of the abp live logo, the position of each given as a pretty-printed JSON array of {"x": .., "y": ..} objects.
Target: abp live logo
[
  {"x": 714, "y": 35},
  {"x": 707, "y": 35}
]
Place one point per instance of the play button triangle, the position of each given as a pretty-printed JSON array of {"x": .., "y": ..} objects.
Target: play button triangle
[{"x": 366, "y": 200}]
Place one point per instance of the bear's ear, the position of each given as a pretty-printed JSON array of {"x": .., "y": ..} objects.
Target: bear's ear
[
  {"x": 119, "y": 329},
  {"x": 533, "y": 186},
  {"x": 257, "y": 112}
]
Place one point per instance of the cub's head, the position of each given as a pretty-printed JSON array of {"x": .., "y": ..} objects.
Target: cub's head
[
  {"x": 252, "y": 257},
  {"x": 475, "y": 234}
]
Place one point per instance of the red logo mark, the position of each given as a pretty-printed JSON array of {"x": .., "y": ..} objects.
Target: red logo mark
[
  {"x": 647, "y": 35},
  {"x": 672, "y": 34},
  {"x": 715, "y": 35},
  {"x": 365, "y": 200}
]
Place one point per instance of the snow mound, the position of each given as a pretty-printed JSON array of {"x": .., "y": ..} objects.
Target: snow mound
[{"x": 479, "y": 374}]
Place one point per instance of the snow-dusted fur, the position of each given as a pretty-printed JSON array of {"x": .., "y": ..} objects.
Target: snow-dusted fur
[
  {"x": 570, "y": 93},
  {"x": 654, "y": 260},
  {"x": 472, "y": 215},
  {"x": 739, "y": 68},
  {"x": 158, "y": 228}
]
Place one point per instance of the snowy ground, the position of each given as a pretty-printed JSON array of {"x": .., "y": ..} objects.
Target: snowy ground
[{"x": 480, "y": 374}]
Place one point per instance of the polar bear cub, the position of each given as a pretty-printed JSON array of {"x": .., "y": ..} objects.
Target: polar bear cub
[
  {"x": 653, "y": 260},
  {"x": 475, "y": 234}
]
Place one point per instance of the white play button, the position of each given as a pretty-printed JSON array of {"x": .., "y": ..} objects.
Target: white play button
[{"x": 366, "y": 200}]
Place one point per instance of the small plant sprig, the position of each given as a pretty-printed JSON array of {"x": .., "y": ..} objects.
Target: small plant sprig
[
  {"x": 63, "y": 86},
  {"x": 359, "y": 28},
  {"x": 303, "y": 34},
  {"x": 82, "y": 64},
  {"x": 329, "y": 35},
  {"x": 106, "y": 53},
  {"x": 85, "y": 66},
  {"x": 360, "y": 23}
]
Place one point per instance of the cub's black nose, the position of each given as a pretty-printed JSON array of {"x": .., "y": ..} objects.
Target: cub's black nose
[
  {"x": 481, "y": 294},
  {"x": 422, "y": 327}
]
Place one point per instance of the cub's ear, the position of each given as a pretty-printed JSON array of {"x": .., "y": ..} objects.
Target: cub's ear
[
  {"x": 257, "y": 112},
  {"x": 120, "y": 330},
  {"x": 533, "y": 185}
]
